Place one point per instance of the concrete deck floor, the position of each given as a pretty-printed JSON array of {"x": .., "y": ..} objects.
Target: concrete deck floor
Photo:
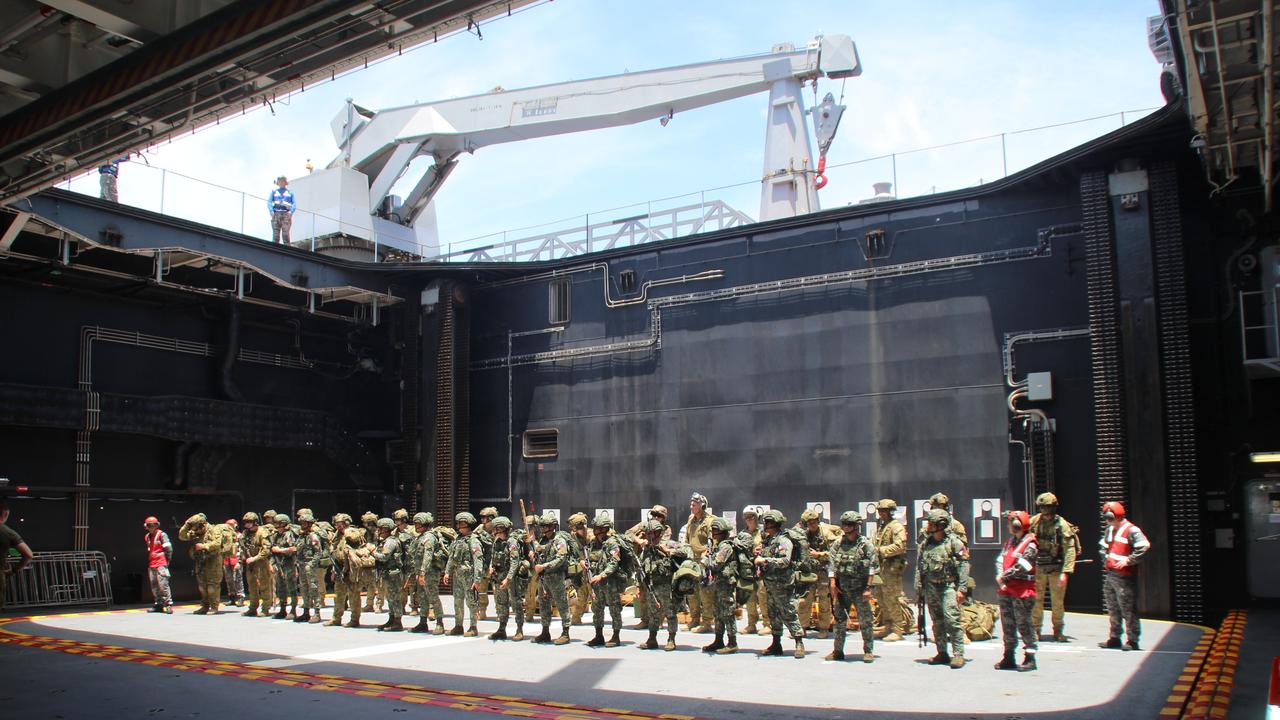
[{"x": 1075, "y": 679}]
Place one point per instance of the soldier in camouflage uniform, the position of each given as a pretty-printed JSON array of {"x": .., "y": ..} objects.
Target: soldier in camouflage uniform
[
  {"x": 210, "y": 545},
  {"x": 939, "y": 501},
  {"x": 1122, "y": 547},
  {"x": 387, "y": 559},
  {"x": 485, "y": 534},
  {"x": 757, "y": 604},
  {"x": 352, "y": 568},
  {"x": 269, "y": 524},
  {"x": 325, "y": 531},
  {"x": 465, "y": 568},
  {"x": 1016, "y": 580},
  {"x": 255, "y": 555},
  {"x": 722, "y": 565},
  {"x": 404, "y": 535},
  {"x": 285, "y": 564},
  {"x": 553, "y": 556},
  {"x": 637, "y": 534},
  {"x": 942, "y": 574},
  {"x": 891, "y": 545},
  {"x": 821, "y": 536},
  {"x": 509, "y": 575},
  {"x": 774, "y": 561},
  {"x": 581, "y": 587},
  {"x": 310, "y": 547},
  {"x": 605, "y": 581},
  {"x": 373, "y": 598},
  {"x": 852, "y": 564},
  {"x": 1058, "y": 543},
  {"x": 698, "y": 536},
  {"x": 657, "y": 568},
  {"x": 424, "y": 577}
]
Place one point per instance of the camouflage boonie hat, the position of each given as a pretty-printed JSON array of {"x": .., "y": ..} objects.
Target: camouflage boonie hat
[
  {"x": 423, "y": 518},
  {"x": 808, "y": 515},
  {"x": 502, "y": 523},
  {"x": 386, "y": 524},
  {"x": 887, "y": 504},
  {"x": 249, "y": 517},
  {"x": 400, "y": 514},
  {"x": 341, "y": 517},
  {"x": 489, "y": 512},
  {"x": 465, "y": 517},
  {"x": 578, "y": 520},
  {"x": 849, "y": 517},
  {"x": 720, "y": 525},
  {"x": 602, "y": 521}
]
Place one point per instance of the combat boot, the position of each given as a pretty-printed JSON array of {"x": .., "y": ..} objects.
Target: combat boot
[
  {"x": 651, "y": 643},
  {"x": 940, "y": 659},
  {"x": 306, "y": 614},
  {"x": 156, "y": 608},
  {"x": 1110, "y": 644},
  {"x": 1007, "y": 662},
  {"x": 315, "y": 619},
  {"x": 471, "y": 632},
  {"x": 280, "y": 615},
  {"x": 168, "y": 609},
  {"x": 393, "y": 625},
  {"x": 352, "y": 623},
  {"x": 957, "y": 662},
  {"x": 335, "y": 621},
  {"x": 251, "y": 612},
  {"x": 1131, "y": 645},
  {"x": 544, "y": 636},
  {"x": 799, "y": 649},
  {"x": 499, "y": 634},
  {"x": 891, "y": 637},
  {"x": 835, "y": 656},
  {"x": 671, "y": 643},
  {"x": 868, "y": 657},
  {"x": 519, "y": 636},
  {"x": 775, "y": 649},
  {"x": 1028, "y": 662},
  {"x": 730, "y": 648},
  {"x": 368, "y": 607},
  {"x": 598, "y": 640},
  {"x": 613, "y": 641},
  {"x": 1059, "y": 635},
  {"x": 205, "y": 611},
  {"x": 750, "y": 629},
  {"x": 439, "y": 629},
  {"x": 423, "y": 626},
  {"x": 456, "y": 631},
  {"x": 715, "y": 644},
  {"x": 563, "y": 639}
]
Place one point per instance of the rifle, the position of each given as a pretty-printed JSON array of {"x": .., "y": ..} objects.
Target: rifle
[
  {"x": 644, "y": 583},
  {"x": 921, "y": 630},
  {"x": 586, "y": 569}
]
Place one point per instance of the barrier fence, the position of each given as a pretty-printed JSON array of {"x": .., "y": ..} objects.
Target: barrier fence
[{"x": 62, "y": 578}]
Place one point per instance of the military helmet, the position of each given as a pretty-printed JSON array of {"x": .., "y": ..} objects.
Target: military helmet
[
  {"x": 658, "y": 510},
  {"x": 720, "y": 525},
  {"x": 368, "y": 518},
  {"x": 850, "y": 517},
  {"x": 502, "y": 523},
  {"x": 750, "y": 510},
  {"x": 465, "y": 517},
  {"x": 353, "y": 536},
  {"x": 602, "y": 521},
  {"x": 938, "y": 516},
  {"x": 653, "y": 526},
  {"x": 578, "y": 520},
  {"x": 808, "y": 515},
  {"x": 306, "y": 517},
  {"x": 250, "y": 517},
  {"x": 774, "y": 516},
  {"x": 422, "y": 518},
  {"x": 400, "y": 514},
  {"x": 548, "y": 519},
  {"x": 488, "y": 512},
  {"x": 280, "y": 519},
  {"x": 341, "y": 517},
  {"x": 269, "y": 514},
  {"x": 1046, "y": 499},
  {"x": 198, "y": 519},
  {"x": 386, "y": 524},
  {"x": 887, "y": 504},
  {"x": 940, "y": 500}
]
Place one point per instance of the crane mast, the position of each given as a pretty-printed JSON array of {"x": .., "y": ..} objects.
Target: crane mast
[{"x": 376, "y": 148}]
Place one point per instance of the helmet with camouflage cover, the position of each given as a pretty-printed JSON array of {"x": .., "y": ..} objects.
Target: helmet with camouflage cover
[
  {"x": 548, "y": 519},
  {"x": 849, "y": 517},
  {"x": 400, "y": 514},
  {"x": 602, "y": 521},
  {"x": 465, "y": 517},
  {"x": 809, "y": 514},
  {"x": 353, "y": 537},
  {"x": 1046, "y": 499},
  {"x": 887, "y": 504},
  {"x": 940, "y": 500},
  {"x": 488, "y": 513},
  {"x": 578, "y": 520},
  {"x": 653, "y": 526},
  {"x": 341, "y": 517},
  {"x": 269, "y": 515},
  {"x": 774, "y": 516},
  {"x": 306, "y": 517},
  {"x": 938, "y": 516},
  {"x": 369, "y": 518},
  {"x": 198, "y": 519},
  {"x": 386, "y": 524},
  {"x": 720, "y": 525},
  {"x": 250, "y": 517},
  {"x": 503, "y": 522},
  {"x": 280, "y": 519},
  {"x": 659, "y": 510},
  {"x": 423, "y": 518}
]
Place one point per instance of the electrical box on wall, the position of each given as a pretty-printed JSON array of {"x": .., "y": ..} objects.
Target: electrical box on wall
[{"x": 1039, "y": 386}]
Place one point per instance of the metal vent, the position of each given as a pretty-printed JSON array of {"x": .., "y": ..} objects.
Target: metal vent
[
  {"x": 541, "y": 443},
  {"x": 627, "y": 281},
  {"x": 558, "y": 296}
]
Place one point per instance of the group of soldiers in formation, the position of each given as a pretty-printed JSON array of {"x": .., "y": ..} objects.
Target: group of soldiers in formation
[{"x": 775, "y": 572}]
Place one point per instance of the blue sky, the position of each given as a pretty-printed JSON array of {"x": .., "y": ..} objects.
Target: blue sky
[{"x": 933, "y": 73}]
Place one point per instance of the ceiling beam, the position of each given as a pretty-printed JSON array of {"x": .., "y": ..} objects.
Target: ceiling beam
[{"x": 104, "y": 19}]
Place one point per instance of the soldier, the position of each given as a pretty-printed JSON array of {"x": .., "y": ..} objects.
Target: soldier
[
  {"x": 210, "y": 545},
  {"x": 232, "y": 570},
  {"x": 485, "y": 534},
  {"x": 821, "y": 536},
  {"x": 510, "y": 575},
  {"x": 255, "y": 555},
  {"x": 698, "y": 536},
  {"x": 352, "y": 563},
  {"x": 373, "y": 597},
  {"x": 309, "y": 544},
  {"x": 939, "y": 501},
  {"x": 269, "y": 524},
  {"x": 404, "y": 535},
  {"x": 552, "y": 570},
  {"x": 637, "y": 534},
  {"x": 1058, "y": 543},
  {"x": 285, "y": 563},
  {"x": 387, "y": 558},
  {"x": 657, "y": 568},
  {"x": 159, "y": 552},
  {"x": 322, "y": 571},
  {"x": 579, "y": 574},
  {"x": 852, "y": 566},
  {"x": 723, "y": 567},
  {"x": 606, "y": 579},
  {"x": 424, "y": 578},
  {"x": 942, "y": 574},
  {"x": 777, "y": 567},
  {"x": 465, "y": 568},
  {"x": 756, "y": 602},
  {"x": 1015, "y": 578},
  {"x": 1122, "y": 547},
  {"x": 891, "y": 546}
]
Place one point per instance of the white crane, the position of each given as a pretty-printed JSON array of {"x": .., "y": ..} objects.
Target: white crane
[{"x": 378, "y": 147}]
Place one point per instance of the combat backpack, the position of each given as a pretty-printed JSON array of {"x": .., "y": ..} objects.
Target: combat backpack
[
  {"x": 628, "y": 558},
  {"x": 574, "y": 566},
  {"x": 805, "y": 567},
  {"x": 486, "y": 548},
  {"x": 440, "y": 555}
]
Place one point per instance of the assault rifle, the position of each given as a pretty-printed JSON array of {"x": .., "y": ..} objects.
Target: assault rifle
[{"x": 922, "y": 632}]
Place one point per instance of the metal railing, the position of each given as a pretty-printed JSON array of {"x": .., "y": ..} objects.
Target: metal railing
[{"x": 58, "y": 579}]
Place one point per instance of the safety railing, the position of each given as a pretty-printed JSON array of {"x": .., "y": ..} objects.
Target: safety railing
[{"x": 58, "y": 579}]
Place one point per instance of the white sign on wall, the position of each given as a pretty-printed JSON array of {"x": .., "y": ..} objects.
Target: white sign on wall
[
  {"x": 608, "y": 512},
  {"x": 986, "y": 522},
  {"x": 822, "y": 507}
]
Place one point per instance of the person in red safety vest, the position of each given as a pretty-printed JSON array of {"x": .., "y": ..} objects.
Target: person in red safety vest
[
  {"x": 1016, "y": 580},
  {"x": 233, "y": 571},
  {"x": 1122, "y": 547},
  {"x": 159, "y": 550}
]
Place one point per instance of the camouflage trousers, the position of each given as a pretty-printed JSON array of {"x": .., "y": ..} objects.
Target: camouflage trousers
[
  {"x": 660, "y": 605},
  {"x": 108, "y": 187},
  {"x": 819, "y": 593},
  {"x": 889, "y": 597},
  {"x": 280, "y": 224},
  {"x": 373, "y": 592},
  {"x": 209, "y": 583},
  {"x": 427, "y": 596},
  {"x": 510, "y": 599},
  {"x": 1121, "y": 596},
  {"x": 392, "y": 592},
  {"x": 553, "y": 594},
  {"x": 287, "y": 584},
  {"x": 944, "y": 613},
  {"x": 464, "y": 598},
  {"x": 309, "y": 587},
  {"x": 257, "y": 580},
  {"x": 723, "y": 593},
  {"x": 1015, "y": 620},
  {"x": 159, "y": 586},
  {"x": 233, "y": 578},
  {"x": 781, "y": 602},
  {"x": 608, "y": 594},
  {"x": 1047, "y": 585},
  {"x": 851, "y": 596}
]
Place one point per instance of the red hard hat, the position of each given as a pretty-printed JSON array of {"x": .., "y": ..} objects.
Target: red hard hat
[
  {"x": 1020, "y": 517},
  {"x": 1114, "y": 509},
  {"x": 151, "y": 519},
  {"x": 232, "y": 522}
]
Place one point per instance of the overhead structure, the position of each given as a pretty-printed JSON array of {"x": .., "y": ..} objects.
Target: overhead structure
[
  {"x": 84, "y": 81},
  {"x": 377, "y": 148}
]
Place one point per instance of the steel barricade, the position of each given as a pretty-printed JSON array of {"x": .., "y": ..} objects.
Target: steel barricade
[{"x": 55, "y": 579}]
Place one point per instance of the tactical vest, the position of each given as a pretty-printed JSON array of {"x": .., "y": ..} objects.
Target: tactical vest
[
  {"x": 938, "y": 560},
  {"x": 852, "y": 561}
]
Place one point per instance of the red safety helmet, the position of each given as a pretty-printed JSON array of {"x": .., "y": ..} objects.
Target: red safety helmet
[
  {"x": 1113, "y": 510},
  {"x": 232, "y": 522},
  {"x": 151, "y": 520},
  {"x": 1020, "y": 518}
]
